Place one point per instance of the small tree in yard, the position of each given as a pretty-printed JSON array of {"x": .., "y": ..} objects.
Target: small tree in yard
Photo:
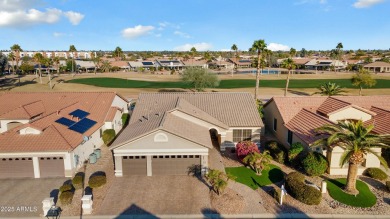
[
  {"x": 258, "y": 161},
  {"x": 363, "y": 78},
  {"x": 200, "y": 78},
  {"x": 218, "y": 180},
  {"x": 244, "y": 148}
]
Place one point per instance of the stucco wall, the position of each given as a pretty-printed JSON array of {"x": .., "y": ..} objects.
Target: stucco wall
[
  {"x": 3, "y": 123},
  {"x": 350, "y": 113},
  {"x": 120, "y": 103},
  {"x": 270, "y": 113}
]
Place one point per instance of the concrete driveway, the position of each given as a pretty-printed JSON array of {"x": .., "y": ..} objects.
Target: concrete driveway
[
  {"x": 23, "y": 197},
  {"x": 155, "y": 195}
]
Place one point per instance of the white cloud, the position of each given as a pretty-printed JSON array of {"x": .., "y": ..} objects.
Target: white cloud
[
  {"x": 182, "y": 34},
  {"x": 74, "y": 17},
  {"x": 58, "y": 34},
  {"x": 17, "y": 13},
  {"x": 137, "y": 31},
  {"x": 366, "y": 3},
  {"x": 278, "y": 47},
  {"x": 198, "y": 47},
  {"x": 165, "y": 24},
  {"x": 225, "y": 50}
]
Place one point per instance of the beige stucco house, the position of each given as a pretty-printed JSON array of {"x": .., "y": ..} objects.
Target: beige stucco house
[
  {"x": 170, "y": 132},
  {"x": 52, "y": 134},
  {"x": 293, "y": 119},
  {"x": 381, "y": 67}
]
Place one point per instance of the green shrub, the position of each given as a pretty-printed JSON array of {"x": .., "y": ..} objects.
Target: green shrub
[
  {"x": 125, "y": 119},
  {"x": 97, "y": 181},
  {"x": 315, "y": 164},
  {"x": 295, "y": 153},
  {"x": 108, "y": 136},
  {"x": 66, "y": 197},
  {"x": 66, "y": 188},
  {"x": 277, "y": 151},
  {"x": 375, "y": 173},
  {"x": 388, "y": 185},
  {"x": 78, "y": 180},
  {"x": 297, "y": 188}
]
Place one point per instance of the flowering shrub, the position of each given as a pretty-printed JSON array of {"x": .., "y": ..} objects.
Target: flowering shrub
[{"x": 244, "y": 148}]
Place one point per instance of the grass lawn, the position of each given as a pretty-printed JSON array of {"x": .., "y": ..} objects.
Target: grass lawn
[
  {"x": 248, "y": 177},
  {"x": 364, "y": 199},
  {"x": 225, "y": 84}
]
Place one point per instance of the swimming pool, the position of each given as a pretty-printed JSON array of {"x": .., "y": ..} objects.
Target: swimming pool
[{"x": 264, "y": 71}]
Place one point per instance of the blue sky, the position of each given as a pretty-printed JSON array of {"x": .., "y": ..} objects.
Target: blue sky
[{"x": 205, "y": 24}]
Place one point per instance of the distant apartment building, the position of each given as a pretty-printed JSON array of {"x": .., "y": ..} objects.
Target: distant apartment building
[{"x": 52, "y": 54}]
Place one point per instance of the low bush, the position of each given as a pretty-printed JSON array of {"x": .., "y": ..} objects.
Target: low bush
[
  {"x": 315, "y": 164},
  {"x": 244, "y": 148},
  {"x": 125, "y": 119},
  {"x": 97, "y": 181},
  {"x": 295, "y": 153},
  {"x": 388, "y": 185},
  {"x": 66, "y": 197},
  {"x": 108, "y": 136},
  {"x": 276, "y": 193},
  {"x": 78, "y": 180},
  {"x": 66, "y": 188},
  {"x": 298, "y": 189},
  {"x": 375, "y": 173},
  {"x": 277, "y": 151}
]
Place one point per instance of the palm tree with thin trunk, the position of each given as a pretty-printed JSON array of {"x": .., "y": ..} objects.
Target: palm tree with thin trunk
[
  {"x": 293, "y": 52},
  {"x": 16, "y": 49},
  {"x": 290, "y": 65},
  {"x": 11, "y": 56},
  {"x": 193, "y": 53},
  {"x": 329, "y": 89},
  {"x": 72, "y": 49},
  {"x": 357, "y": 140},
  {"x": 258, "y": 161},
  {"x": 258, "y": 46},
  {"x": 56, "y": 62},
  {"x": 339, "y": 48},
  {"x": 39, "y": 59},
  {"x": 118, "y": 53}
]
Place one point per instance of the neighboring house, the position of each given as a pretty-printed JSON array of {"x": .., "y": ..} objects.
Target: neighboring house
[
  {"x": 241, "y": 63},
  {"x": 378, "y": 67},
  {"x": 86, "y": 66},
  {"x": 123, "y": 65},
  {"x": 293, "y": 119},
  {"x": 170, "y": 132},
  {"x": 222, "y": 65},
  {"x": 147, "y": 65},
  {"x": 51, "y": 54},
  {"x": 52, "y": 134},
  {"x": 196, "y": 63},
  {"x": 299, "y": 62},
  {"x": 175, "y": 64},
  {"x": 325, "y": 64}
]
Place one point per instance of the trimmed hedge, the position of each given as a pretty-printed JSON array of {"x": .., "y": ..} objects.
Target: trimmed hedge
[
  {"x": 78, "y": 180},
  {"x": 97, "y": 181},
  {"x": 66, "y": 188},
  {"x": 125, "y": 119},
  {"x": 297, "y": 188},
  {"x": 375, "y": 173},
  {"x": 66, "y": 197},
  {"x": 277, "y": 151},
  {"x": 108, "y": 136},
  {"x": 315, "y": 164},
  {"x": 295, "y": 153}
]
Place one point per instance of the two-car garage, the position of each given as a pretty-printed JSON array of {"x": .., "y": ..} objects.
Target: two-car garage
[
  {"x": 23, "y": 167},
  {"x": 160, "y": 164}
]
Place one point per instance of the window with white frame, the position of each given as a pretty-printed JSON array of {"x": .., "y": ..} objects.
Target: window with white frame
[{"x": 242, "y": 135}]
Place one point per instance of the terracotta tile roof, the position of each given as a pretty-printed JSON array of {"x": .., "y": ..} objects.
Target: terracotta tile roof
[
  {"x": 111, "y": 114},
  {"x": 123, "y": 64},
  {"x": 191, "y": 62},
  {"x": 291, "y": 106},
  {"x": 378, "y": 64},
  {"x": 331, "y": 105},
  {"x": 380, "y": 101},
  {"x": 237, "y": 61},
  {"x": 225, "y": 107},
  {"x": 304, "y": 123},
  {"x": 56, "y": 105}
]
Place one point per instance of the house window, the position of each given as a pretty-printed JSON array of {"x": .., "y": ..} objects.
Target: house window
[
  {"x": 289, "y": 137},
  {"x": 275, "y": 124},
  {"x": 242, "y": 135}
]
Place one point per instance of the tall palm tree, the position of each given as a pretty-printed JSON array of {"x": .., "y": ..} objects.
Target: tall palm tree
[
  {"x": 118, "y": 52},
  {"x": 329, "y": 89},
  {"x": 193, "y": 53},
  {"x": 11, "y": 56},
  {"x": 339, "y": 48},
  {"x": 72, "y": 49},
  {"x": 290, "y": 65},
  {"x": 293, "y": 52},
  {"x": 56, "y": 61},
  {"x": 357, "y": 141},
  {"x": 258, "y": 46},
  {"x": 235, "y": 48},
  {"x": 16, "y": 49},
  {"x": 38, "y": 58}
]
